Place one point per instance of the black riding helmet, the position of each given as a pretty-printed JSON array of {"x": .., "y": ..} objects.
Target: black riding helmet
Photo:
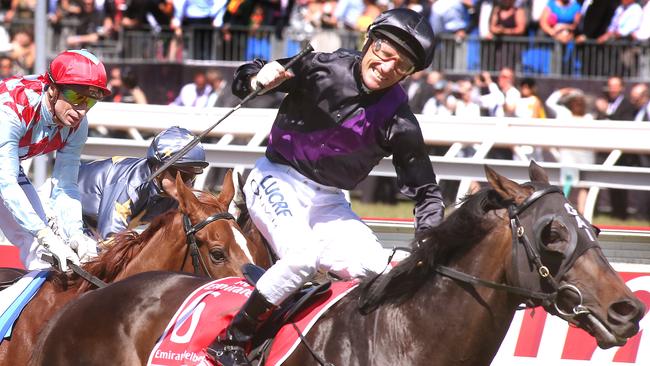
[{"x": 409, "y": 31}]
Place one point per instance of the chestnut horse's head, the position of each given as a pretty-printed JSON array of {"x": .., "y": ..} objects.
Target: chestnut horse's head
[
  {"x": 200, "y": 237},
  {"x": 556, "y": 253}
]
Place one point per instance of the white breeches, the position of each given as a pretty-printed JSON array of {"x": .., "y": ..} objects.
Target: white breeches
[
  {"x": 30, "y": 253},
  {"x": 310, "y": 227}
]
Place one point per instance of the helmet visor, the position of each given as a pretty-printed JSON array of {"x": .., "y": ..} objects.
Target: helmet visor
[
  {"x": 187, "y": 175},
  {"x": 75, "y": 97}
]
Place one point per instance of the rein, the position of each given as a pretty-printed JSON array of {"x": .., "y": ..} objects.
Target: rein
[
  {"x": 190, "y": 239},
  {"x": 519, "y": 237}
]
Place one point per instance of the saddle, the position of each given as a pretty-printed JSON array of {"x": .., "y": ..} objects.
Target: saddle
[
  {"x": 9, "y": 276},
  {"x": 311, "y": 291}
]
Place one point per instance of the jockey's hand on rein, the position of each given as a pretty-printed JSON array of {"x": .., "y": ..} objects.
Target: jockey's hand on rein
[
  {"x": 85, "y": 247},
  {"x": 53, "y": 244}
]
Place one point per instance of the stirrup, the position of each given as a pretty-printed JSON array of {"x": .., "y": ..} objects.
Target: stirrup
[{"x": 227, "y": 355}]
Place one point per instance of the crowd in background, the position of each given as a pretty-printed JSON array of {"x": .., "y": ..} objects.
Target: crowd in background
[{"x": 95, "y": 20}]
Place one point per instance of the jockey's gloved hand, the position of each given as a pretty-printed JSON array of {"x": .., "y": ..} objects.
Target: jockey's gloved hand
[
  {"x": 85, "y": 247},
  {"x": 53, "y": 244},
  {"x": 270, "y": 76}
]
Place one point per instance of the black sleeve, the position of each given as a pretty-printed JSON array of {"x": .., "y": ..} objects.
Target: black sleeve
[
  {"x": 415, "y": 175},
  {"x": 241, "y": 80}
]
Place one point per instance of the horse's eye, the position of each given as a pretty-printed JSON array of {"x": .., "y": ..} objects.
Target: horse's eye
[
  {"x": 554, "y": 235},
  {"x": 217, "y": 256}
]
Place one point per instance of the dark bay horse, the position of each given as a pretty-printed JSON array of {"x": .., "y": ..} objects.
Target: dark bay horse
[
  {"x": 449, "y": 303},
  {"x": 222, "y": 249}
]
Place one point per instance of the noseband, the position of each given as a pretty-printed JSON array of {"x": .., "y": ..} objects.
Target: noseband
[
  {"x": 190, "y": 239},
  {"x": 520, "y": 237}
]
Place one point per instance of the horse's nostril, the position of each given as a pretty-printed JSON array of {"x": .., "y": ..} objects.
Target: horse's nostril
[{"x": 625, "y": 310}]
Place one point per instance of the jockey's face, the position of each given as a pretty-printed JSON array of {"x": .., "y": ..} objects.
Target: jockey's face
[
  {"x": 72, "y": 102},
  {"x": 383, "y": 65},
  {"x": 168, "y": 180}
]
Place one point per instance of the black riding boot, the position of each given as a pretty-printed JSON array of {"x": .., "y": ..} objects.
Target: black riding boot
[{"x": 229, "y": 348}]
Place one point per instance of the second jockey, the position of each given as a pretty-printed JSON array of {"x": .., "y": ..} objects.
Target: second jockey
[{"x": 116, "y": 194}]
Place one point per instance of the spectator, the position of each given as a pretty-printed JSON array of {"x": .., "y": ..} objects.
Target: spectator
[
  {"x": 115, "y": 86},
  {"x": 145, "y": 15},
  {"x": 194, "y": 94},
  {"x": 560, "y": 19},
  {"x": 643, "y": 32},
  {"x": 438, "y": 103},
  {"x": 506, "y": 20},
  {"x": 346, "y": 14},
  {"x": 529, "y": 105},
  {"x": 198, "y": 17},
  {"x": 452, "y": 16},
  {"x": 418, "y": 90},
  {"x": 498, "y": 99},
  {"x": 462, "y": 103},
  {"x": 21, "y": 14},
  {"x": 568, "y": 103},
  {"x": 626, "y": 20},
  {"x": 616, "y": 107},
  {"x": 23, "y": 51},
  {"x": 220, "y": 96},
  {"x": 94, "y": 24},
  {"x": 6, "y": 67},
  {"x": 370, "y": 12},
  {"x": 639, "y": 97},
  {"x": 132, "y": 91},
  {"x": 595, "y": 19}
]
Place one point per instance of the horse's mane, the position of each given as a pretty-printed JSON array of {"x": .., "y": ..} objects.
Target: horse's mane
[
  {"x": 461, "y": 230},
  {"x": 128, "y": 244}
]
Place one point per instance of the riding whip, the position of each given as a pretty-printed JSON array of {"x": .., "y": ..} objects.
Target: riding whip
[{"x": 174, "y": 158}]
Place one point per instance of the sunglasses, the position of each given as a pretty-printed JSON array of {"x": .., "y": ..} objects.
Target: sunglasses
[
  {"x": 186, "y": 176},
  {"x": 386, "y": 52},
  {"x": 77, "y": 99}
]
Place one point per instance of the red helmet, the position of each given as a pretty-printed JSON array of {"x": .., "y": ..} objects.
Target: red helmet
[{"x": 78, "y": 67}]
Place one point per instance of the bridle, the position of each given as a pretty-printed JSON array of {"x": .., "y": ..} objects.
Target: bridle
[
  {"x": 190, "y": 239},
  {"x": 520, "y": 239}
]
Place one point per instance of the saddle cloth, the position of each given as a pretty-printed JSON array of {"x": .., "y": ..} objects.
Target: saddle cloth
[
  {"x": 208, "y": 311},
  {"x": 14, "y": 298}
]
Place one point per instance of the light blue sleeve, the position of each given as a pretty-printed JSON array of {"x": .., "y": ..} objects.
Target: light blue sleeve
[
  {"x": 12, "y": 129},
  {"x": 65, "y": 191},
  {"x": 179, "y": 9}
]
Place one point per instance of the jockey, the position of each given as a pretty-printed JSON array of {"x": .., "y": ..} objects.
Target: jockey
[
  {"x": 115, "y": 192},
  {"x": 343, "y": 113},
  {"x": 41, "y": 114}
]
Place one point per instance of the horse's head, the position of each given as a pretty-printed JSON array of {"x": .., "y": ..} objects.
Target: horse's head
[
  {"x": 216, "y": 245},
  {"x": 556, "y": 257}
]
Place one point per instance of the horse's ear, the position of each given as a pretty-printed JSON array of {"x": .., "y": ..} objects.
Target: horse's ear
[
  {"x": 507, "y": 189},
  {"x": 537, "y": 173},
  {"x": 185, "y": 197},
  {"x": 227, "y": 189}
]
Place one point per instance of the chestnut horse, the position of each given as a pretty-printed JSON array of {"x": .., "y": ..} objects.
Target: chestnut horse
[
  {"x": 449, "y": 303},
  {"x": 164, "y": 245}
]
